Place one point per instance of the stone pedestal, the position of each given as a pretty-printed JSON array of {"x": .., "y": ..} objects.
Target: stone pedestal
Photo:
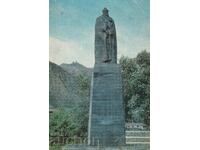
[{"x": 106, "y": 118}]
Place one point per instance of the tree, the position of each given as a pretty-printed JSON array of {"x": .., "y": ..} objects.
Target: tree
[
  {"x": 70, "y": 122},
  {"x": 59, "y": 125},
  {"x": 136, "y": 87},
  {"x": 81, "y": 116}
]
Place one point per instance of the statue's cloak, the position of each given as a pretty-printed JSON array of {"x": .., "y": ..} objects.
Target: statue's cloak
[{"x": 105, "y": 40}]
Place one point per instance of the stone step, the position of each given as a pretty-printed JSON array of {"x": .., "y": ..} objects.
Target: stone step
[
  {"x": 138, "y": 139},
  {"x": 127, "y": 147},
  {"x": 138, "y": 133}
]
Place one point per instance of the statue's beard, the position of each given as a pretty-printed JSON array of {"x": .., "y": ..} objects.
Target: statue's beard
[{"x": 106, "y": 15}]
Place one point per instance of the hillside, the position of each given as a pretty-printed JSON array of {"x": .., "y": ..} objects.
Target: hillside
[
  {"x": 63, "y": 87},
  {"x": 76, "y": 69}
]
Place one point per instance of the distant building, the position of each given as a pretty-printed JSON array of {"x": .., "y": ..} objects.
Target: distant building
[{"x": 133, "y": 125}]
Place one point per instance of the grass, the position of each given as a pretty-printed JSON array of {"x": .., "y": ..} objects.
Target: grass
[{"x": 55, "y": 147}]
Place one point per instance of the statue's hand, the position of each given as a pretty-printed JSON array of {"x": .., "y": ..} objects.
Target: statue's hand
[
  {"x": 104, "y": 35},
  {"x": 110, "y": 32},
  {"x": 107, "y": 32}
]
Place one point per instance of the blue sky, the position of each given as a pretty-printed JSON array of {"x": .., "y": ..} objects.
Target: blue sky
[{"x": 72, "y": 24}]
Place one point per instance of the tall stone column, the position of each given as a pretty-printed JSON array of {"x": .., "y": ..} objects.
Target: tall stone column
[{"x": 106, "y": 117}]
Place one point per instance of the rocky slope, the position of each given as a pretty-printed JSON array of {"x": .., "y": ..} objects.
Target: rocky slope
[
  {"x": 63, "y": 87},
  {"x": 76, "y": 69}
]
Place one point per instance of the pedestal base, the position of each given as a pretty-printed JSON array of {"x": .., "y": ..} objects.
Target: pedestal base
[{"x": 106, "y": 118}]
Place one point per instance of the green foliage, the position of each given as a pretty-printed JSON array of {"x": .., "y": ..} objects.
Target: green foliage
[
  {"x": 60, "y": 125},
  {"x": 69, "y": 123},
  {"x": 55, "y": 147},
  {"x": 82, "y": 109},
  {"x": 79, "y": 118},
  {"x": 136, "y": 86},
  {"x": 84, "y": 85},
  {"x": 72, "y": 121}
]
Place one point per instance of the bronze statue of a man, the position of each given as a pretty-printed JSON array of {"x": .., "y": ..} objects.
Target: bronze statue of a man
[{"x": 105, "y": 39}]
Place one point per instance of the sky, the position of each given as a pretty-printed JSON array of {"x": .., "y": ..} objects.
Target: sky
[{"x": 72, "y": 22}]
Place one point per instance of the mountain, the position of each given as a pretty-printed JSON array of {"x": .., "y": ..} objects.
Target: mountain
[
  {"x": 63, "y": 86},
  {"x": 76, "y": 69}
]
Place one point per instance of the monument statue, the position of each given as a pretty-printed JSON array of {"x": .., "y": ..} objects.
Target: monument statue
[
  {"x": 106, "y": 125},
  {"x": 105, "y": 39}
]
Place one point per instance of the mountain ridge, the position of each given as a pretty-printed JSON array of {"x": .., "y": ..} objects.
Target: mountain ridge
[
  {"x": 76, "y": 69},
  {"x": 63, "y": 87}
]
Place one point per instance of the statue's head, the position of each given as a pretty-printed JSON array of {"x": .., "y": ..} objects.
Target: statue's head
[{"x": 105, "y": 12}]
